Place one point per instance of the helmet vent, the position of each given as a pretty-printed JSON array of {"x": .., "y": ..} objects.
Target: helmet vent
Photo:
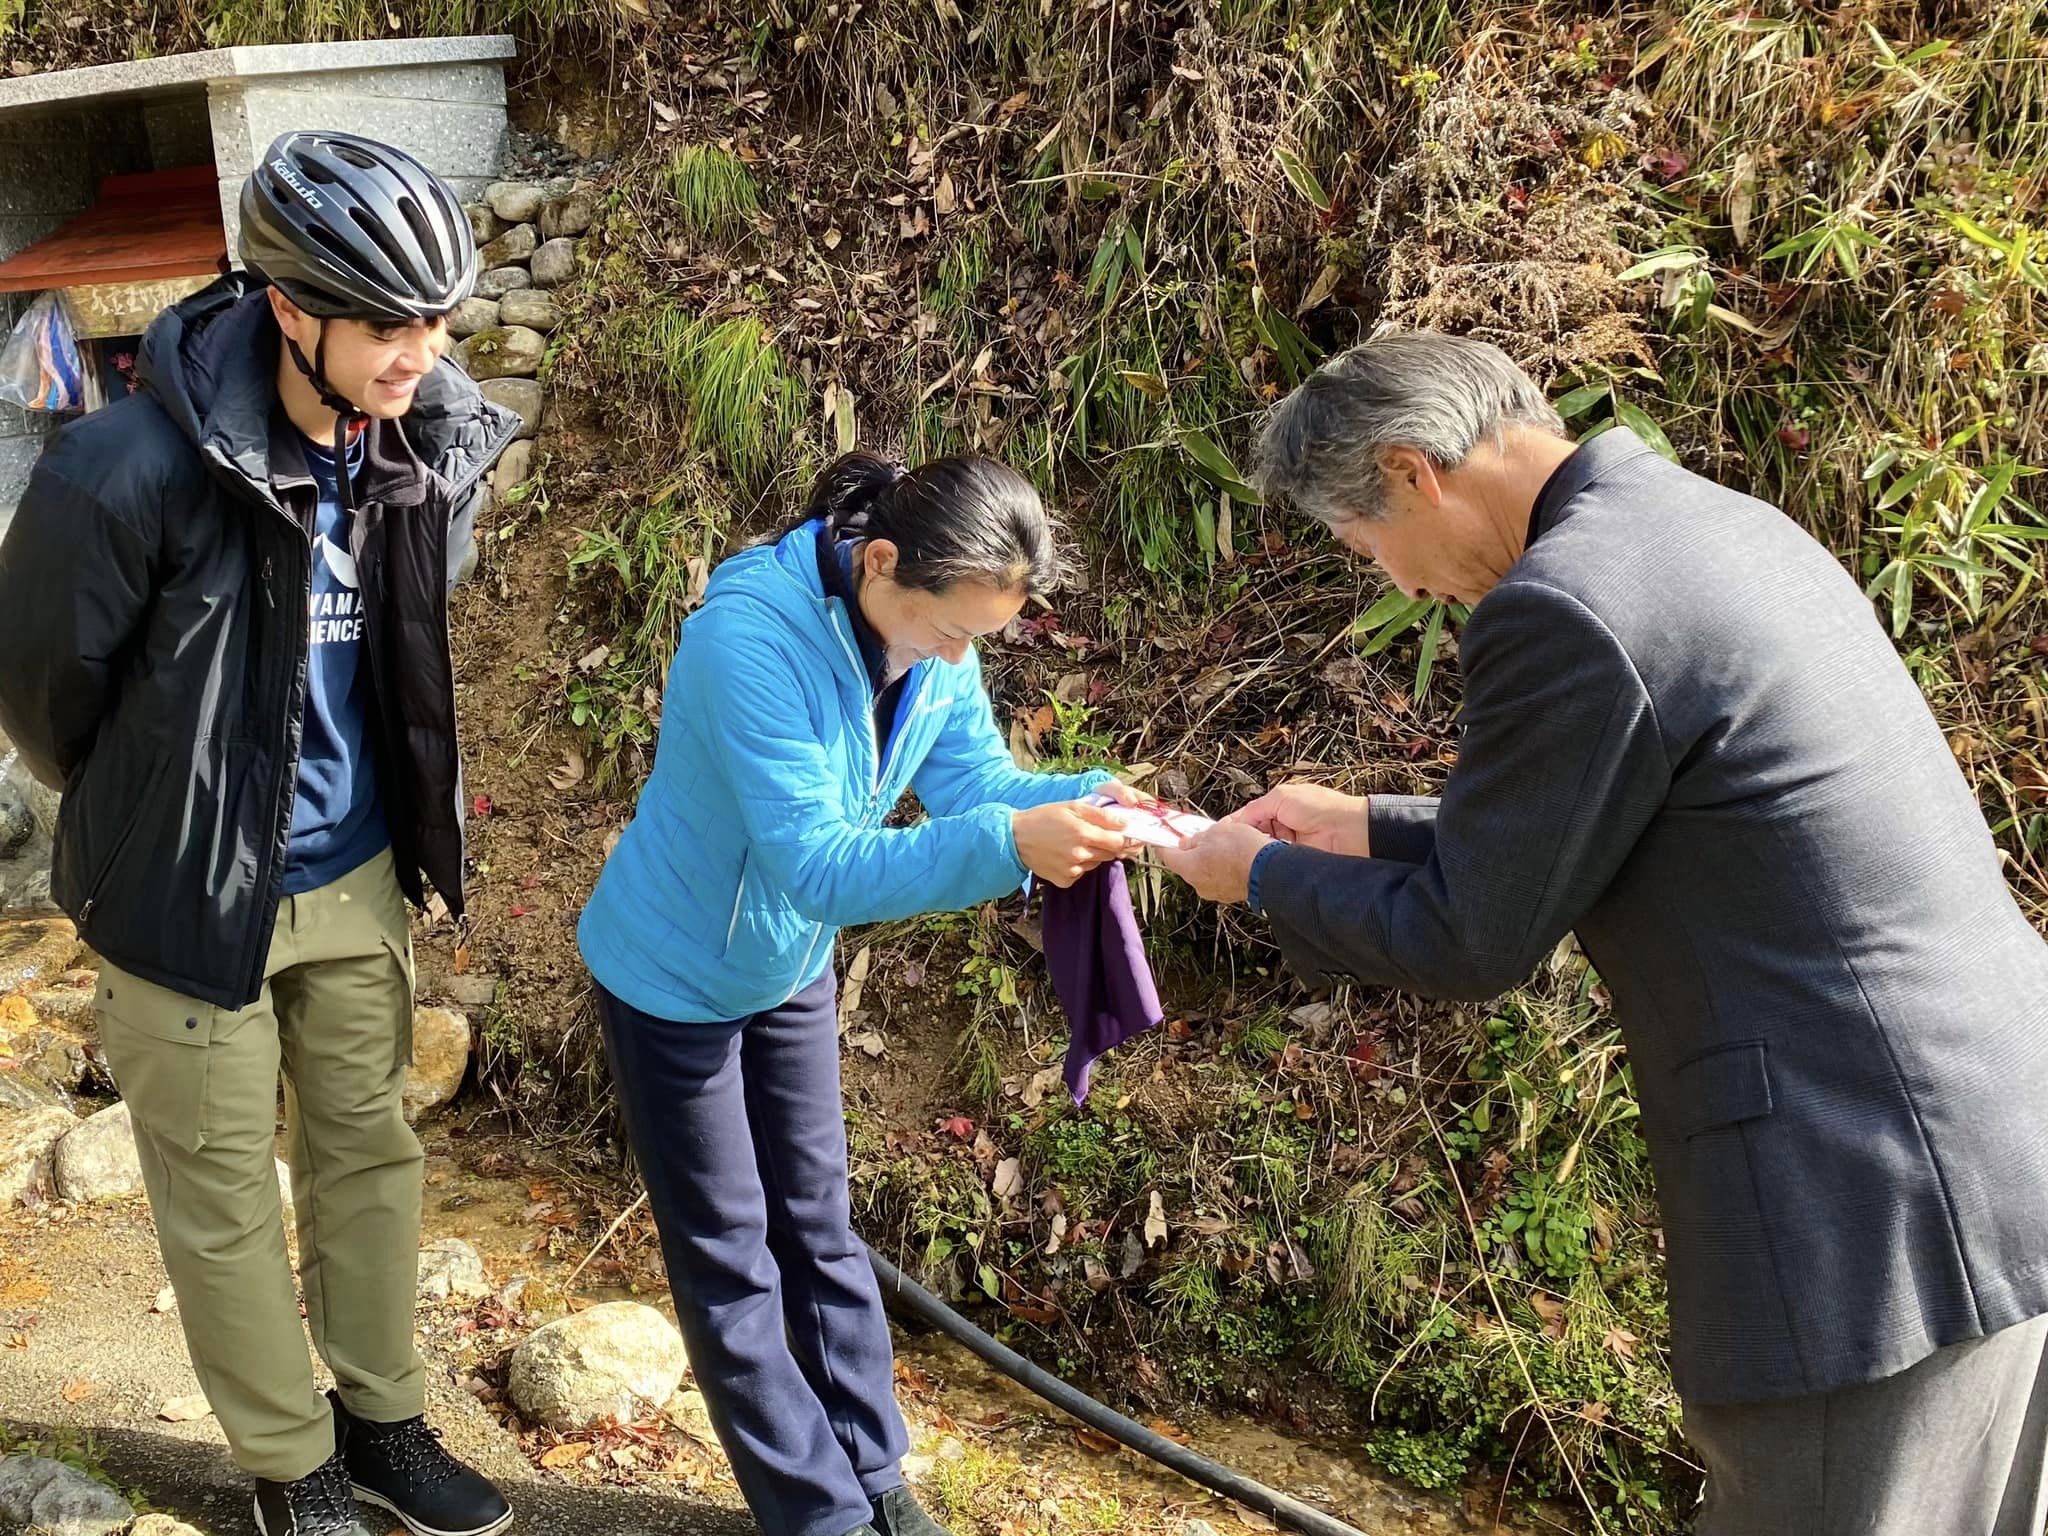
[
  {"x": 381, "y": 237},
  {"x": 430, "y": 244},
  {"x": 352, "y": 155}
]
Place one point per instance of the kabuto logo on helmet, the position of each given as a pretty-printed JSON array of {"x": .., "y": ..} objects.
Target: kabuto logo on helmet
[{"x": 290, "y": 178}]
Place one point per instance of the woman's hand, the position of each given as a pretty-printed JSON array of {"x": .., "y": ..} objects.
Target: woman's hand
[
  {"x": 1310, "y": 815},
  {"x": 1062, "y": 842},
  {"x": 1122, "y": 793}
]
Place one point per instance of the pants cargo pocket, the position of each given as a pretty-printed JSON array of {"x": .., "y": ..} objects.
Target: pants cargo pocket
[
  {"x": 156, "y": 1042},
  {"x": 400, "y": 948}
]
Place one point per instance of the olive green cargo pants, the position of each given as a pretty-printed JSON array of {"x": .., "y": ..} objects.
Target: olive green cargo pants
[{"x": 201, "y": 1086}]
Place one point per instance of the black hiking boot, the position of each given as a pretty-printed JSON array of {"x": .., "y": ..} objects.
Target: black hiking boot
[
  {"x": 402, "y": 1467},
  {"x": 897, "y": 1514},
  {"x": 318, "y": 1504}
]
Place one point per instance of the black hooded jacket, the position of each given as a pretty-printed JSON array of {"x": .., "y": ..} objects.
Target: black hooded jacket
[{"x": 153, "y": 592}]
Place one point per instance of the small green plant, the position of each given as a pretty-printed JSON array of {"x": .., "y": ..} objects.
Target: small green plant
[
  {"x": 1942, "y": 520},
  {"x": 716, "y": 195}
]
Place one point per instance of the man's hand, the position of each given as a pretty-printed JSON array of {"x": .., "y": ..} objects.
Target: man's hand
[
  {"x": 1218, "y": 862},
  {"x": 1310, "y": 815}
]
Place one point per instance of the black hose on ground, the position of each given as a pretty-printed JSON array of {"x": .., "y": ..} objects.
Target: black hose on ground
[{"x": 907, "y": 1295}]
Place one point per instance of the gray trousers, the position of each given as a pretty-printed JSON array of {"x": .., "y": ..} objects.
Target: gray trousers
[{"x": 1956, "y": 1445}]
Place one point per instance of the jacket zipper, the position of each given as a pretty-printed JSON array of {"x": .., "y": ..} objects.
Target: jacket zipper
[{"x": 866, "y": 726}]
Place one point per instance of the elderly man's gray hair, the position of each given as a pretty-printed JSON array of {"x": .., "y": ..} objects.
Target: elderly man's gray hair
[{"x": 1440, "y": 395}]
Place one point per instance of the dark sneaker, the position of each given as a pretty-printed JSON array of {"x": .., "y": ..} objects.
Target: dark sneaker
[
  {"x": 318, "y": 1504},
  {"x": 402, "y": 1467},
  {"x": 897, "y": 1514}
]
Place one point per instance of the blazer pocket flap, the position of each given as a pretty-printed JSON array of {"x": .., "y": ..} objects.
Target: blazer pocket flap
[{"x": 1727, "y": 1085}]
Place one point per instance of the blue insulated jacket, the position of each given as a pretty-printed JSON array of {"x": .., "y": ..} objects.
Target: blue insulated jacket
[{"x": 759, "y": 834}]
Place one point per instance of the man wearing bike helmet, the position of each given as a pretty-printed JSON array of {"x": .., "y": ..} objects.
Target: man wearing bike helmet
[{"x": 223, "y": 613}]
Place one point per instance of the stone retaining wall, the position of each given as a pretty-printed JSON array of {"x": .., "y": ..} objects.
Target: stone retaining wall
[{"x": 526, "y": 234}]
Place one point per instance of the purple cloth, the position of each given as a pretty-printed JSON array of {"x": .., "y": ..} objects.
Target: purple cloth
[{"x": 1097, "y": 959}]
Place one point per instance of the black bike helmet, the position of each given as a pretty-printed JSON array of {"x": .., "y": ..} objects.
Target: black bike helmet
[{"x": 352, "y": 229}]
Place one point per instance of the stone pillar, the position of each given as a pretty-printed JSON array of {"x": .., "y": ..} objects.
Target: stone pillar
[{"x": 448, "y": 113}]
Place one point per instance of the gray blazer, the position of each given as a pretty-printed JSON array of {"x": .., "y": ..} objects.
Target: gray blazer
[{"x": 1686, "y": 738}]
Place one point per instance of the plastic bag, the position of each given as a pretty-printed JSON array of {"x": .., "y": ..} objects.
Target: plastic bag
[
  {"x": 28, "y": 822},
  {"x": 40, "y": 366}
]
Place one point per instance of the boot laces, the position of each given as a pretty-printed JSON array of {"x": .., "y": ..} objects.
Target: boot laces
[{"x": 415, "y": 1453}]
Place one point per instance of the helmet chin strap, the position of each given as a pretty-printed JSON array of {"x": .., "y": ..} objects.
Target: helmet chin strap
[{"x": 347, "y": 413}]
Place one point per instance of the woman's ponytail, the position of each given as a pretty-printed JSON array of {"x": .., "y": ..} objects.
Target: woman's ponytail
[
  {"x": 954, "y": 519},
  {"x": 845, "y": 491}
]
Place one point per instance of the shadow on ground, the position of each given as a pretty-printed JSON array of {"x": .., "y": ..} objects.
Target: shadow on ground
[{"x": 196, "y": 1482}]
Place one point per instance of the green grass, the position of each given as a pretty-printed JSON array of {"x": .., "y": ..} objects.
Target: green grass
[
  {"x": 725, "y": 378},
  {"x": 715, "y": 195}
]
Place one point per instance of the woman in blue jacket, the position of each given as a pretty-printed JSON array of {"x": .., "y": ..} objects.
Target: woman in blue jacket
[{"x": 826, "y": 673}]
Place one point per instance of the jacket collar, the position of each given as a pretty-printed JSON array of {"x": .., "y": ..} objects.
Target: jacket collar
[
  {"x": 211, "y": 362},
  {"x": 1595, "y": 458}
]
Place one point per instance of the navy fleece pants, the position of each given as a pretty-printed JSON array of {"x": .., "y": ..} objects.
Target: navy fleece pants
[{"x": 741, "y": 1137}]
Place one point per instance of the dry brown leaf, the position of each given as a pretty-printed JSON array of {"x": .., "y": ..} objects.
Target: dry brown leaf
[
  {"x": 1008, "y": 1182},
  {"x": 570, "y": 773},
  {"x": 565, "y": 1455},
  {"x": 856, "y": 983},
  {"x": 1095, "y": 1440},
  {"x": 79, "y": 1389}
]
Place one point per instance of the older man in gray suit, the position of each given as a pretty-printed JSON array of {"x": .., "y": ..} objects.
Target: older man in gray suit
[{"x": 1686, "y": 739}]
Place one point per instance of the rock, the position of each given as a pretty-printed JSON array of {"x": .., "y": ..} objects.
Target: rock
[
  {"x": 534, "y": 308},
  {"x": 613, "y": 1361},
  {"x": 32, "y": 1122},
  {"x": 441, "y": 1039},
  {"x": 42, "y": 1497},
  {"x": 35, "y": 950},
  {"x": 571, "y": 214},
  {"x": 477, "y": 989},
  {"x": 514, "y": 465},
  {"x": 689, "y": 1410},
  {"x": 511, "y": 248},
  {"x": 53, "y": 1052},
  {"x": 499, "y": 281},
  {"x": 502, "y": 352},
  {"x": 484, "y": 224},
  {"x": 183, "y": 1410},
  {"x": 471, "y": 316},
  {"x": 450, "y": 1267},
  {"x": 523, "y": 396},
  {"x": 554, "y": 263},
  {"x": 162, "y": 1525},
  {"x": 1199, "y": 1528},
  {"x": 514, "y": 201},
  {"x": 97, "y": 1159},
  {"x": 66, "y": 1005},
  {"x": 17, "y": 821}
]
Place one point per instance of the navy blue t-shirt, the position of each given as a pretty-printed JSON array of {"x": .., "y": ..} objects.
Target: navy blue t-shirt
[{"x": 337, "y": 820}]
